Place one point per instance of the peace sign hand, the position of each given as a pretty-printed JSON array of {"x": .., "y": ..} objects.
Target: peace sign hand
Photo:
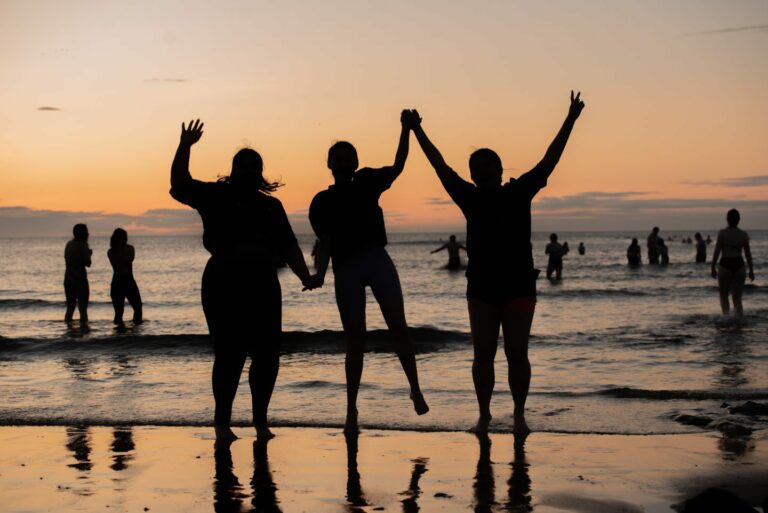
[
  {"x": 192, "y": 132},
  {"x": 576, "y": 105}
]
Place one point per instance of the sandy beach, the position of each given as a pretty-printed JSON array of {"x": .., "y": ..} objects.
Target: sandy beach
[{"x": 165, "y": 469}]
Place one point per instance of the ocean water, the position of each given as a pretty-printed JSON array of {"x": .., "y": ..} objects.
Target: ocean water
[{"x": 613, "y": 349}]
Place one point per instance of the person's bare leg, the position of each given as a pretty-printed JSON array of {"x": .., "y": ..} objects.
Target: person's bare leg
[
  {"x": 737, "y": 289},
  {"x": 71, "y": 296},
  {"x": 484, "y": 322},
  {"x": 262, "y": 376},
  {"x": 83, "y": 296},
  {"x": 393, "y": 311},
  {"x": 354, "y": 331},
  {"x": 227, "y": 367},
  {"x": 724, "y": 285},
  {"x": 517, "y": 330}
]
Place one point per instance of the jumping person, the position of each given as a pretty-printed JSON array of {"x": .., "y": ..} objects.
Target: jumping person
[
  {"x": 501, "y": 279},
  {"x": 730, "y": 271},
  {"x": 121, "y": 255},
  {"x": 453, "y": 247},
  {"x": 347, "y": 219},
  {"x": 245, "y": 230},
  {"x": 77, "y": 256}
]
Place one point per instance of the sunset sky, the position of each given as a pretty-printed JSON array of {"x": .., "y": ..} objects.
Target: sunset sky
[{"x": 674, "y": 133}]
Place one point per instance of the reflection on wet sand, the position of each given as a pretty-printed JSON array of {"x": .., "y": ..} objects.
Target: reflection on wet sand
[
  {"x": 228, "y": 494},
  {"x": 79, "y": 443},
  {"x": 410, "y": 503},
  {"x": 122, "y": 447},
  {"x": 519, "y": 483},
  {"x": 355, "y": 497}
]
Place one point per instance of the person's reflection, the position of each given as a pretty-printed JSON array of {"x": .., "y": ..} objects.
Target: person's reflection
[
  {"x": 79, "y": 442},
  {"x": 122, "y": 447},
  {"x": 484, "y": 485},
  {"x": 410, "y": 503},
  {"x": 227, "y": 491},
  {"x": 519, "y": 484},
  {"x": 732, "y": 348},
  {"x": 264, "y": 488},
  {"x": 355, "y": 497}
]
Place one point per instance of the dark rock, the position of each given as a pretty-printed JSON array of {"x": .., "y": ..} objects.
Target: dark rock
[
  {"x": 750, "y": 408},
  {"x": 715, "y": 500},
  {"x": 693, "y": 420},
  {"x": 732, "y": 430},
  {"x": 443, "y": 495}
]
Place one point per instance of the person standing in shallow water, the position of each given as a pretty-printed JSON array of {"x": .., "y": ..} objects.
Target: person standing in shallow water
[
  {"x": 501, "y": 279},
  {"x": 77, "y": 256},
  {"x": 701, "y": 249},
  {"x": 634, "y": 254},
  {"x": 730, "y": 271},
  {"x": 245, "y": 230},
  {"x": 121, "y": 255},
  {"x": 453, "y": 247},
  {"x": 347, "y": 219},
  {"x": 653, "y": 246},
  {"x": 556, "y": 251}
]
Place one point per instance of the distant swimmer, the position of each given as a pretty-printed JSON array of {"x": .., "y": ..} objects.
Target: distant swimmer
[
  {"x": 556, "y": 252},
  {"x": 453, "y": 247},
  {"x": 701, "y": 249},
  {"x": 709, "y": 239},
  {"x": 77, "y": 256},
  {"x": 653, "y": 246},
  {"x": 663, "y": 252},
  {"x": 121, "y": 255},
  {"x": 634, "y": 254},
  {"x": 730, "y": 271},
  {"x": 582, "y": 249}
]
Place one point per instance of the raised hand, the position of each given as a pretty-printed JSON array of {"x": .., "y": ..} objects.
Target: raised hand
[
  {"x": 192, "y": 132},
  {"x": 576, "y": 105},
  {"x": 410, "y": 118}
]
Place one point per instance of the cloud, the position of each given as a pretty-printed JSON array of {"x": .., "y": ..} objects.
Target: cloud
[
  {"x": 176, "y": 80},
  {"x": 438, "y": 201},
  {"x": 742, "y": 181},
  {"x": 49, "y": 109},
  {"x": 727, "y": 30}
]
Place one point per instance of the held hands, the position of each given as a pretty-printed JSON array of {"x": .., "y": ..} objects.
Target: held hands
[
  {"x": 191, "y": 133},
  {"x": 410, "y": 118},
  {"x": 576, "y": 105},
  {"x": 312, "y": 282},
  {"x": 714, "y": 272}
]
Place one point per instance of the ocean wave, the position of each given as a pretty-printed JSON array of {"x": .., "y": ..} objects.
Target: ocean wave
[{"x": 690, "y": 395}]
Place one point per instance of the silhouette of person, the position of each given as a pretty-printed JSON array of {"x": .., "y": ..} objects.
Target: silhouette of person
[
  {"x": 653, "y": 246},
  {"x": 347, "y": 219},
  {"x": 555, "y": 251},
  {"x": 701, "y": 249},
  {"x": 77, "y": 256},
  {"x": 582, "y": 249},
  {"x": 634, "y": 254},
  {"x": 244, "y": 230},
  {"x": 501, "y": 279},
  {"x": 663, "y": 251},
  {"x": 121, "y": 255},
  {"x": 453, "y": 247},
  {"x": 709, "y": 239},
  {"x": 729, "y": 270}
]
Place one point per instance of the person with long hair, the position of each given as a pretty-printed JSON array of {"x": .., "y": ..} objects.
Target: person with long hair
[
  {"x": 77, "y": 256},
  {"x": 729, "y": 270},
  {"x": 350, "y": 225},
  {"x": 501, "y": 279},
  {"x": 121, "y": 255},
  {"x": 245, "y": 230}
]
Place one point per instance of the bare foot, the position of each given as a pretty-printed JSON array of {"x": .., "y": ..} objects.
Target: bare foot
[
  {"x": 263, "y": 432},
  {"x": 521, "y": 427},
  {"x": 350, "y": 426},
  {"x": 419, "y": 404},
  {"x": 224, "y": 434},
  {"x": 482, "y": 425}
]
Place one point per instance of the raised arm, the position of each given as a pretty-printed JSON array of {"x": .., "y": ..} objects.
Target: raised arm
[
  {"x": 402, "y": 147},
  {"x": 547, "y": 164},
  {"x": 180, "y": 167},
  {"x": 444, "y": 246}
]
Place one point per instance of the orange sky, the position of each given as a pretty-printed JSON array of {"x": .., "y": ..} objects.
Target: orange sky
[{"x": 675, "y": 92}]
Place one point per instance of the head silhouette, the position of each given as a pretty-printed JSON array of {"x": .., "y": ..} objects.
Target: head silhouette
[
  {"x": 247, "y": 173},
  {"x": 634, "y": 242},
  {"x": 342, "y": 161},
  {"x": 485, "y": 168},
  {"x": 80, "y": 232},
  {"x": 697, "y": 236},
  {"x": 733, "y": 217},
  {"x": 553, "y": 237},
  {"x": 655, "y": 229},
  {"x": 452, "y": 238},
  {"x": 119, "y": 239}
]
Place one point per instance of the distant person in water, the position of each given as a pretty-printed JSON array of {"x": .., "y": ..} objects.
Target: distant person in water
[
  {"x": 77, "y": 256},
  {"x": 701, "y": 249},
  {"x": 121, "y": 255},
  {"x": 501, "y": 279},
  {"x": 349, "y": 222},
  {"x": 634, "y": 254},
  {"x": 709, "y": 240},
  {"x": 663, "y": 251},
  {"x": 556, "y": 251},
  {"x": 729, "y": 270},
  {"x": 653, "y": 246},
  {"x": 582, "y": 249},
  {"x": 245, "y": 230},
  {"x": 453, "y": 247}
]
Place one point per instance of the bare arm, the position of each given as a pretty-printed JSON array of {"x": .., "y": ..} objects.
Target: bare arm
[
  {"x": 295, "y": 260},
  {"x": 444, "y": 246},
  {"x": 402, "y": 148},
  {"x": 323, "y": 257},
  {"x": 748, "y": 256},
  {"x": 555, "y": 150},
  {"x": 715, "y": 257},
  {"x": 180, "y": 168}
]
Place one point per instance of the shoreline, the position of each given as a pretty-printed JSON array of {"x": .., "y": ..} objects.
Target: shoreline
[{"x": 163, "y": 468}]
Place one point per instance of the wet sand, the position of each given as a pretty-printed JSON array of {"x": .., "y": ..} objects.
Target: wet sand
[{"x": 166, "y": 469}]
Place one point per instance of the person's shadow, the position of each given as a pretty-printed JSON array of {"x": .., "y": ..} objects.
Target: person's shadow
[
  {"x": 228, "y": 493},
  {"x": 519, "y": 484}
]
